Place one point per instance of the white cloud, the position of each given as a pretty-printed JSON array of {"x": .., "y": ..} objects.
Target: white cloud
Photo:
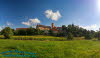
[
  {"x": 91, "y": 27},
  {"x": 53, "y": 15},
  {"x": 26, "y": 23},
  {"x": 31, "y": 22},
  {"x": 9, "y": 23},
  {"x": 34, "y": 21}
]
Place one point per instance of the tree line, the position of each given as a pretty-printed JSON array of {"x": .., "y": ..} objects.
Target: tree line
[{"x": 69, "y": 31}]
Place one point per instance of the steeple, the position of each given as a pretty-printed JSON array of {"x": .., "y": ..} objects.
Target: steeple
[{"x": 52, "y": 25}]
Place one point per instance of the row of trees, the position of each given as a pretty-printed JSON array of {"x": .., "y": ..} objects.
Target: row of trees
[
  {"x": 69, "y": 31},
  {"x": 29, "y": 31},
  {"x": 77, "y": 31}
]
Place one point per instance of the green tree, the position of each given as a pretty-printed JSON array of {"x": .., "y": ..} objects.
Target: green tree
[
  {"x": 88, "y": 36},
  {"x": 70, "y": 36},
  {"x": 37, "y": 32},
  {"x": 51, "y": 32},
  {"x": 21, "y": 32},
  {"x": 30, "y": 31},
  {"x": 97, "y": 35},
  {"x": 7, "y": 32},
  {"x": 64, "y": 28}
]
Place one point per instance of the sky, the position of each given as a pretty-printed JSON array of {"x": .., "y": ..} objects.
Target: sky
[{"x": 26, "y": 13}]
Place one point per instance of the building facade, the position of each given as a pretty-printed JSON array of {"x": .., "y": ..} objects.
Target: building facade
[
  {"x": 43, "y": 27},
  {"x": 46, "y": 28}
]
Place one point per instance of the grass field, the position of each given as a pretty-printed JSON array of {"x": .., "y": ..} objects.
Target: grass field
[
  {"x": 54, "y": 49},
  {"x": 37, "y": 37}
]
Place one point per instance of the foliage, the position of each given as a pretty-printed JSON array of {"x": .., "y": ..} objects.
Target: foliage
[
  {"x": 37, "y": 32},
  {"x": 7, "y": 32},
  {"x": 51, "y": 32},
  {"x": 30, "y": 31},
  {"x": 76, "y": 31},
  {"x": 70, "y": 36},
  {"x": 88, "y": 36},
  {"x": 21, "y": 32},
  {"x": 97, "y": 35},
  {"x": 64, "y": 28}
]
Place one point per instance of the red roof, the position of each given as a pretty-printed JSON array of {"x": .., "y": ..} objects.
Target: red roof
[
  {"x": 59, "y": 27},
  {"x": 21, "y": 28}
]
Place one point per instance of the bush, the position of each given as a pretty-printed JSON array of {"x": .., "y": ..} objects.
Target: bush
[
  {"x": 88, "y": 36},
  {"x": 70, "y": 36},
  {"x": 51, "y": 33},
  {"x": 7, "y": 32},
  {"x": 30, "y": 31},
  {"x": 21, "y": 32}
]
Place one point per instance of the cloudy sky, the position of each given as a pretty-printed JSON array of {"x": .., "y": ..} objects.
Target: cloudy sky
[{"x": 25, "y": 13}]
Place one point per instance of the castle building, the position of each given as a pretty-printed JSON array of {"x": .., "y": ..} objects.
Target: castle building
[
  {"x": 46, "y": 28},
  {"x": 43, "y": 27}
]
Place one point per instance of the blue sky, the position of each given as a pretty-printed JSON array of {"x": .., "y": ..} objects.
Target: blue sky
[{"x": 25, "y": 13}]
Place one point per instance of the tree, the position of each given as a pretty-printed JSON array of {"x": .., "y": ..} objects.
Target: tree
[
  {"x": 70, "y": 36},
  {"x": 42, "y": 32},
  {"x": 97, "y": 35},
  {"x": 7, "y": 32},
  {"x": 21, "y": 32},
  {"x": 64, "y": 28},
  {"x": 88, "y": 36},
  {"x": 30, "y": 31},
  {"x": 37, "y": 32},
  {"x": 51, "y": 32}
]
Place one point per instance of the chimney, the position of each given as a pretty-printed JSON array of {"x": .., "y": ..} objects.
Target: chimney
[{"x": 52, "y": 25}]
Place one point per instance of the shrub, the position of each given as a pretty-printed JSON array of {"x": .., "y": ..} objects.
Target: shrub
[
  {"x": 7, "y": 32},
  {"x": 88, "y": 36},
  {"x": 21, "y": 32},
  {"x": 51, "y": 32},
  {"x": 30, "y": 31},
  {"x": 70, "y": 36}
]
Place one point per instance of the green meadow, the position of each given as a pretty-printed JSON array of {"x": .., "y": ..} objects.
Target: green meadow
[{"x": 53, "y": 48}]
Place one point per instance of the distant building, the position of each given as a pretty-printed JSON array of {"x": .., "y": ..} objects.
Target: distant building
[
  {"x": 46, "y": 28},
  {"x": 43, "y": 27},
  {"x": 56, "y": 29}
]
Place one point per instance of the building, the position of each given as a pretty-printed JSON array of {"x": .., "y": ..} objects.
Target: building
[
  {"x": 43, "y": 27},
  {"x": 46, "y": 28},
  {"x": 56, "y": 29}
]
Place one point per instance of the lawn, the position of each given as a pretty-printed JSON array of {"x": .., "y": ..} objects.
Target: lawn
[{"x": 54, "y": 49}]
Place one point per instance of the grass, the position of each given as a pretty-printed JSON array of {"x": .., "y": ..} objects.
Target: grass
[
  {"x": 54, "y": 49},
  {"x": 37, "y": 37}
]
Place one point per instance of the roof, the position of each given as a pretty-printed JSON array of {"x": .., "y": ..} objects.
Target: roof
[
  {"x": 43, "y": 26},
  {"x": 59, "y": 27},
  {"x": 22, "y": 28}
]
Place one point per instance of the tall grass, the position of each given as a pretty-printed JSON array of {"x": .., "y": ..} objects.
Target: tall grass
[
  {"x": 37, "y": 37},
  {"x": 54, "y": 49}
]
